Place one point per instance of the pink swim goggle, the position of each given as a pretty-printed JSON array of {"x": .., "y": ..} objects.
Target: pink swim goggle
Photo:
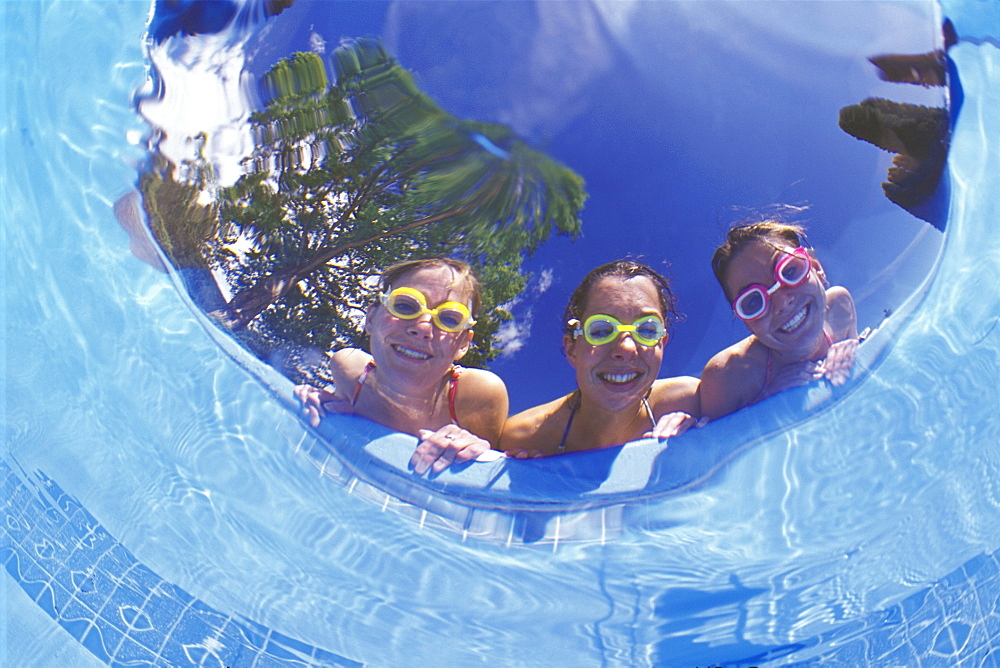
[{"x": 791, "y": 270}]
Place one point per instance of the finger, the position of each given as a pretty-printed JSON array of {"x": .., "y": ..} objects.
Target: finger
[
  {"x": 426, "y": 453},
  {"x": 472, "y": 451},
  {"x": 444, "y": 460},
  {"x": 424, "y": 457},
  {"x": 671, "y": 424},
  {"x": 490, "y": 455},
  {"x": 680, "y": 425},
  {"x": 337, "y": 406}
]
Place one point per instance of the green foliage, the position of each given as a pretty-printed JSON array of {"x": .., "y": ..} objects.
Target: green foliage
[
  {"x": 181, "y": 226},
  {"x": 349, "y": 178}
]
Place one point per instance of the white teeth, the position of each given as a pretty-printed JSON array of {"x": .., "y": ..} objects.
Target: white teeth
[
  {"x": 795, "y": 321},
  {"x": 619, "y": 377},
  {"x": 412, "y": 354}
]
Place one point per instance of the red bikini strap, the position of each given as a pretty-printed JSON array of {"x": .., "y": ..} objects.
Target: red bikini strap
[
  {"x": 361, "y": 380},
  {"x": 456, "y": 371}
]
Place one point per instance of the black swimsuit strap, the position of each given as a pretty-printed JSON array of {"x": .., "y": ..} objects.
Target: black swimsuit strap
[
  {"x": 572, "y": 414},
  {"x": 569, "y": 423}
]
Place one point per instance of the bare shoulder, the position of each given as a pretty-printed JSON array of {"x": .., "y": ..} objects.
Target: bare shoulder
[
  {"x": 481, "y": 404},
  {"x": 349, "y": 361},
  {"x": 481, "y": 383},
  {"x": 537, "y": 428},
  {"x": 841, "y": 314},
  {"x": 670, "y": 395},
  {"x": 732, "y": 378},
  {"x": 346, "y": 366}
]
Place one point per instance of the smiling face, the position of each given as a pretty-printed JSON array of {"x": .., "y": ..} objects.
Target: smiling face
[
  {"x": 795, "y": 316},
  {"x": 416, "y": 347},
  {"x": 617, "y": 375}
]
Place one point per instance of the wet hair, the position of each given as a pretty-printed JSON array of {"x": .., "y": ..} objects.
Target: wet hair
[
  {"x": 743, "y": 234},
  {"x": 392, "y": 275},
  {"x": 623, "y": 269}
]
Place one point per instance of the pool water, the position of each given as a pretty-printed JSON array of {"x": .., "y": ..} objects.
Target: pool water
[{"x": 165, "y": 506}]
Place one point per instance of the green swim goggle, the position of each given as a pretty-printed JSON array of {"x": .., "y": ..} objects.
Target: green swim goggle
[
  {"x": 410, "y": 304},
  {"x": 599, "y": 329}
]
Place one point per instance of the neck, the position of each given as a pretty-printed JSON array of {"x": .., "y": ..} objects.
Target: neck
[
  {"x": 595, "y": 426},
  {"x": 417, "y": 399}
]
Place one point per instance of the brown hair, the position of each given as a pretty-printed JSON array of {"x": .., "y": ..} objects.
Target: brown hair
[
  {"x": 623, "y": 269},
  {"x": 392, "y": 274},
  {"x": 745, "y": 233}
]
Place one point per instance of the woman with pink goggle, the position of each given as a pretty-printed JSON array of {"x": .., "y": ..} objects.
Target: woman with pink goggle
[{"x": 801, "y": 328}]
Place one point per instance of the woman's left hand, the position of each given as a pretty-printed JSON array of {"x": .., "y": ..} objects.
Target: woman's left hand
[
  {"x": 839, "y": 361},
  {"x": 674, "y": 424},
  {"x": 437, "y": 450}
]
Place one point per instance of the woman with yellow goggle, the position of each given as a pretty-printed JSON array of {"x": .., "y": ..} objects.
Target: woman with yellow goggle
[
  {"x": 616, "y": 330},
  {"x": 408, "y": 380}
]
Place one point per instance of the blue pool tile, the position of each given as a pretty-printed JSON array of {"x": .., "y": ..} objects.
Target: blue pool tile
[
  {"x": 120, "y": 607},
  {"x": 288, "y": 643},
  {"x": 101, "y": 641},
  {"x": 16, "y": 528},
  {"x": 138, "y": 576},
  {"x": 163, "y": 608},
  {"x": 46, "y": 600},
  {"x": 32, "y": 579},
  {"x": 254, "y": 634},
  {"x": 62, "y": 597},
  {"x": 12, "y": 562},
  {"x": 75, "y": 618},
  {"x": 169, "y": 590},
  {"x": 95, "y": 588},
  {"x": 131, "y": 653},
  {"x": 951, "y": 639},
  {"x": 922, "y": 637}
]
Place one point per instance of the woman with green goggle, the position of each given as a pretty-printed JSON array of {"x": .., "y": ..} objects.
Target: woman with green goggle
[{"x": 615, "y": 332}]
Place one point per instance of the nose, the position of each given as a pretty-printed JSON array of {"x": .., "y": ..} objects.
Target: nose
[
  {"x": 781, "y": 298},
  {"x": 422, "y": 326},
  {"x": 625, "y": 346}
]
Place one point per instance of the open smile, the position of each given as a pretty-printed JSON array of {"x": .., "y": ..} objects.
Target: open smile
[
  {"x": 619, "y": 378},
  {"x": 410, "y": 353},
  {"x": 795, "y": 321}
]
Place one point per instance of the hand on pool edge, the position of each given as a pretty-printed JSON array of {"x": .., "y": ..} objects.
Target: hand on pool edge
[
  {"x": 839, "y": 361},
  {"x": 675, "y": 424},
  {"x": 437, "y": 450},
  {"x": 316, "y": 403}
]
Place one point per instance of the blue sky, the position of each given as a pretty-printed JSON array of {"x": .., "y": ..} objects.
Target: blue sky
[{"x": 674, "y": 113}]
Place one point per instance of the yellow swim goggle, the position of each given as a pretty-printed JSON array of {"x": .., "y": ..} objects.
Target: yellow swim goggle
[
  {"x": 599, "y": 329},
  {"x": 410, "y": 303}
]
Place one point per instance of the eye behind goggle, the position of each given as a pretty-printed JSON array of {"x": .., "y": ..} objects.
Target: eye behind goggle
[
  {"x": 409, "y": 304},
  {"x": 600, "y": 329},
  {"x": 752, "y": 303},
  {"x": 790, "y": 271},
  {"x": 793, "y": 269}
]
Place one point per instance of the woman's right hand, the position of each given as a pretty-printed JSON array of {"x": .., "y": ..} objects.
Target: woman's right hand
[{"x": 317, "y": 402}]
